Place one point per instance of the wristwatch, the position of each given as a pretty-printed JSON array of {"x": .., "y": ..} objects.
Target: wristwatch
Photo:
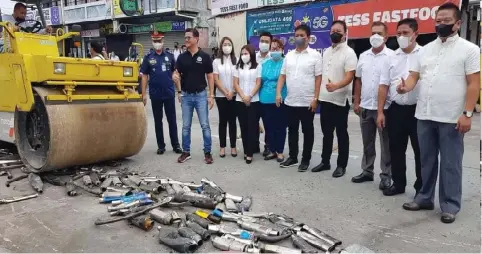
[
  {"x": 179, "y": 92},
  {"x": 468, "y": 114}
]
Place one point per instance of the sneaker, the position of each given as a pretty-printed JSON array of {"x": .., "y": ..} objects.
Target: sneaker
[
  {"x": 290, "y": 162},
  {"x": 208, "y": 158},
  {"x": 184, "y": 157}
]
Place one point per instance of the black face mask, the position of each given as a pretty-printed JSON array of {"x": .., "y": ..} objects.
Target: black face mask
[
  {"x": 444, "y": 30},
  {"x": 336, "y": 37},
  {"x": 175, "y": 46},
  {"x": 19, "y": 19}
]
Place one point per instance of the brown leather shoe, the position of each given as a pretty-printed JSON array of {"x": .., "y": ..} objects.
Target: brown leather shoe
[{"x": 413, "y": 206}]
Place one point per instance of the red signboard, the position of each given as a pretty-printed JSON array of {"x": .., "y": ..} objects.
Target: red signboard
[{"x": 360, "y": 16}]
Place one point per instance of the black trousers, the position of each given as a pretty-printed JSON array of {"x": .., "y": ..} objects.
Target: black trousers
[
  {"x": 249, "y": 124},
  {"x": 334, "y": 117},
  {"x": 402, "y": 125},
  {"x": 305, "y": 116},
  {"x": 227, "y": 116},
  {"x": 169, "y": 106}
]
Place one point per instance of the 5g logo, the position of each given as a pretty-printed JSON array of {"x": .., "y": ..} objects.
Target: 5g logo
[{"x": 320, "y": 22}]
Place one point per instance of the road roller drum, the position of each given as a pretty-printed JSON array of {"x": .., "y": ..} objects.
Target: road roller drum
[{"x": 58, "y": 135}]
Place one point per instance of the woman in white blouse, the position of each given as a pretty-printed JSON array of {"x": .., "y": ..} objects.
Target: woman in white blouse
[
  {"x": 247, "y": 99},
  {"x": 224, "y": 67}
]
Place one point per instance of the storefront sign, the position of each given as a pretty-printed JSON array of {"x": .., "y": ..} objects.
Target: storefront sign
[
  {"x": 52, "y": 16},
  {"x": 164, "y": 26},
  {"x": 219, "y": 7},
  {"x": 90, "y": 33},
  {"x": 359, "y": 16},
  {"x": 263, "y": 3},
  {"x": 94, "y": 11},
  {"x": 277, "y": 21}
]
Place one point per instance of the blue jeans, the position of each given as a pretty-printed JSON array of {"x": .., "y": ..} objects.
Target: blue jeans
[
  {"x": 443, "y": 138},
  {"x": 189, "y": 102},
  {"x": 275, "y": 123}
]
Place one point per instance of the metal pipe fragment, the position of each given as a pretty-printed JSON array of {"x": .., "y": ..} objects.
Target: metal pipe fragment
[
  {"x": 230, "y": 205},
  {"x": 71, "y": 189},
  {"x": 17, "y": 199},
  {"x": 177, "y": 188},
  {"x": 194, "y": 218},
  {"x": 176, "y": 219},
  {"x": 234, "y": 198},
  {"x": 94, "y": 178},
  {"x": 136, "y": 180},
  {"x": 161, "y": 216},
  {"x": 269, "y": 248},
  {"x": 116, "y": 182},
  {"x": 257, "y": 228},
  {"x": 106, "y": 183},
  {"x": 316, "y": 242},
  {"x": 18, "y": 178},
  {"x": 36, "y": 182},
  {"x": 143, "y": 222},
  {"x": 87, "y": 181},
  {"x": 301, "y": 244}
]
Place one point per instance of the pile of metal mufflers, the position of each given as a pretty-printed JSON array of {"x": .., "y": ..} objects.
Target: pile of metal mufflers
[{"x": 215, "y": 215}]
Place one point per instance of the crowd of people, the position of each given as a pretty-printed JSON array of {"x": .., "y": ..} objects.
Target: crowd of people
[{"x": 422, "y": 94}]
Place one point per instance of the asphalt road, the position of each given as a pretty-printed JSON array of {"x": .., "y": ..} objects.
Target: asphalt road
[{"x": 354, "y": 213}]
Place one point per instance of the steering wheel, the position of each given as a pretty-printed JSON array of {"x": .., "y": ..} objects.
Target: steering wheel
[{"x": 30, "y": 29}]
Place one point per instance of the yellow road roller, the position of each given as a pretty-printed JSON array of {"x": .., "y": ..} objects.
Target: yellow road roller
[{"x": 61, "y": 111}]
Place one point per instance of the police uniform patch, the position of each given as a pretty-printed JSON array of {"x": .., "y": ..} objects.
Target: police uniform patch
[
  {"x": 166, "y": 58},
  {"x": 199, "y": 59},
  {"x": 152, "y": 61}
]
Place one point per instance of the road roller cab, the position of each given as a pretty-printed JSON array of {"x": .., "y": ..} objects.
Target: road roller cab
[{"x": 62, "y": 111}]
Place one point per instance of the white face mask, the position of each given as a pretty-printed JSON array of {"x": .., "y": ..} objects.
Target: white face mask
[
  {"x": 227, "y": 50},
  {"x": 263, "y": 47},
  {"x": 245, "y": 58},
  {"x": 376, "y": 40},
  {"x": 404, "y": 42},
  {"x": 157, "y": 45}
]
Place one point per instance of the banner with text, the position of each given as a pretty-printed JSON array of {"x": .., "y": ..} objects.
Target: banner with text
[
  {"x": 52, "y": 16},
  {"x": 220, "y": 7},
  {"x": 278, "y": 22},
  {"x": 359, "y": 16}
]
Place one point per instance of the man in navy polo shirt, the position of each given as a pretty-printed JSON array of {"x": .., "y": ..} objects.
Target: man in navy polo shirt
[
  {"x": 193, "y": 68},
  {"x": 158, "y": 65}
]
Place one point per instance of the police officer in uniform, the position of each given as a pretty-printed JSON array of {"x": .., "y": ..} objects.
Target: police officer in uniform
[{"x": 158, "y": 66}]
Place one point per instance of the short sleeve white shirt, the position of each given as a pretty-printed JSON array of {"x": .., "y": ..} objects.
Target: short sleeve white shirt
[
  {"x": 398, "y": 69},
  {"x": 443, "y": 67},
  {"x": 300, "y": 69},
  {"x": 247, "y": 81},
  {"x": 260, "y": 59},
  {"x": 336, "y": 62},
  {"x": 369, "y": 69},
  {"x": 226, "y": 72}
]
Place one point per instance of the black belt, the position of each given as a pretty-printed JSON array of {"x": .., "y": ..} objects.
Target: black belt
[{"x": 195, "y": 92}]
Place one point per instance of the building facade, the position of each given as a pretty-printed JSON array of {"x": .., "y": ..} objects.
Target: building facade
[{"x": 118, "y": 23}]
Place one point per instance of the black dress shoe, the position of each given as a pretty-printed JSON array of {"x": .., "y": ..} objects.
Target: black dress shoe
[
  {"x": 178, "y": 150},
  {"x": 392, "y": 191},
  {"x": 413, "y": 206},
  {"x": 447, "y": 218},
  {"x": 290, "y": 162},
  {"x": 384, "y": 184},
  {"x": 303, "y": 167},
  {"x": 321, "y": 167},
  {"x": 266, "y": 152},
  {"x": 161, "y": 151},
  {"x": 248, "y": 161},
  {"x": 361, "y": 178},
  {"x": 270, "y": 157},
  {"x": 339, "y": 172}
]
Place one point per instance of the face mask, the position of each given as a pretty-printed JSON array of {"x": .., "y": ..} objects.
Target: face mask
[
  {"x": 276, "y": 55},
  {"x": 300, "y": 42},
  {"x": 376, "y": 40},
  {"x": 175, "y": 46},
  {"x": 18, "y": 19},
  {"x": 227, "y": 50},
  {"x": 157, "y": 45},
  {"x": 245, "y": 58},
  {"x": 444, "y": 30},
  {"x": 263, "y": 47},
  {"x": 404, "y": 42},
  {"x": 336, "y": 37}
]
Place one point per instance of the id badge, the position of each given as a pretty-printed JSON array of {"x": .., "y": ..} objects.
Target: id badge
[{"x": 163, "y": 67}]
